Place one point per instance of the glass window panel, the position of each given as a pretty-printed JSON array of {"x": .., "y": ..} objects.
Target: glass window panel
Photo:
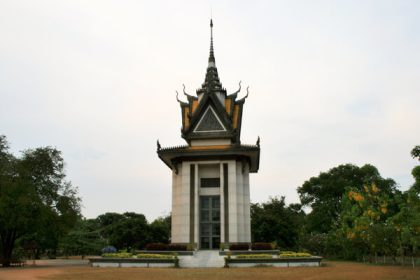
[
  {"x": 205, "y": 243},
  {"x": 205, "y": 202},
  {"x": 205, "y": 229},
  {"x": 210, "y": 182},
  {"x": 216, "y": 230},
  {"x": 215, "y": 215},
  {"x": 216, "y": 202},
  {"x": 205, "y": 215},
  {"x": 216, "y": 242}
]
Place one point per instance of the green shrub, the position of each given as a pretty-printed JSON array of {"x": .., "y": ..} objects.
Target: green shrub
[
  {"x": 262, "y": 246},
  {"x": 290, "y": 254},
  {"x": 254, "y": 256},
  {"x": 122, "y": 255},
  {"x": 287, "y": 252},
  {"x": 154, "y": 256}
]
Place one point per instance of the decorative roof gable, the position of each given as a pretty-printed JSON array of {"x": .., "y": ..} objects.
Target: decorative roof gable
[
  {"x": 209, "y": 122},
  {"x": 212, "y": 113}
]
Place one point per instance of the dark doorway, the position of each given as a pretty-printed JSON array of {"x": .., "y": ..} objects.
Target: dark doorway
[{"x": 209, "y": 222}]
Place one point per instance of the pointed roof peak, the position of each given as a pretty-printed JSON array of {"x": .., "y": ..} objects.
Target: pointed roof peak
[
  {"x": 211, "y": 82},
  {"x": 212, "y": 60}
]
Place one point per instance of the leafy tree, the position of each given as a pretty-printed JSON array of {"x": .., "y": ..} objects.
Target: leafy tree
[
  {"x": 125, "y": 231},
  {"x": 84, "y": 239},
  {"x": 415, "y": 152},
  {"x": 106, "y": 223},
  {"x": 160, "y": 230},
  {"x": 416, "y": 174},
  {"x": 365, "y": 219},
  {"x": 35, "y": 198},
  {"x": 407, "y": 220},
  {"x": 324, "y": 193},
  {"x": 273, "y": 221}
]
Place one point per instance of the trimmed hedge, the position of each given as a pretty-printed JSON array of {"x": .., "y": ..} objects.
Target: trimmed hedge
[
  {"x": 157, "y": 247},
  {"x": 154, "y": 256},
  {"x": 255, "y": 256},
  {"x": 262, "y": 246},
  {"x": 290, "y": 254},
  {"x": 239, "y": 246},
  {"x": 122, "y": 255},
  {"x": 177, "y": 247}
]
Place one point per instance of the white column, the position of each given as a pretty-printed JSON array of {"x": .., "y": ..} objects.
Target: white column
[
  {"x": 247, "y": 205},
  {"x": 176, "y": 205},
  {"x": 196, "y": 208},
  {"x": 181, "y": 216},
  {"x": 240, "y": 202},
  {"x": 222, "y": 204},
  {"x": 233, "y": 217}
]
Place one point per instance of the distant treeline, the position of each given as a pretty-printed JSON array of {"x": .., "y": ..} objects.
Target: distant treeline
[{"x": 350, "y": 212}]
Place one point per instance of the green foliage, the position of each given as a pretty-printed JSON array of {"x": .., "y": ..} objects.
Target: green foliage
[
  {"x": 160, "y": 230},
  {"x": 416, "y": 174},
  {"x": 274, "y": 221},
  {"x": 291, "y": 254},
  {"x": 254, "y": 256},
  {"x": 155, "y": 256},
  {"x": 407, "y": 222},
  {"x": 83, "y": 239},
  {"x": 314, "y": 242},
  {"x": 324, "y": 193},
  {"x": 37, "y": 204},
  {"x": 122, "y": 255},
  {"x": 132, "y": 231},
  {"x": 365, "y": 219},
  {"x": 415, "y": 152}
]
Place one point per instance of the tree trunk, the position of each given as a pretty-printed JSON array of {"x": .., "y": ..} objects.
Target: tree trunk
[{"x": 8, "y": 242}]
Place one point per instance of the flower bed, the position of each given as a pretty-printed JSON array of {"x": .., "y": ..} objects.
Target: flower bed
[
  {"x": 124, "y": 259},
  {"x": 290, "y": 254},
  {"x": 282, "y": 260}
]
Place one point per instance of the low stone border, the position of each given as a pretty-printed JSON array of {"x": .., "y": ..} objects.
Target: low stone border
[
  {"x": 249, "y": 252},
  {"x": 179, "y": 253},
  {"x": 133, "y": 262},
  {"x": 277, "y": 262}
]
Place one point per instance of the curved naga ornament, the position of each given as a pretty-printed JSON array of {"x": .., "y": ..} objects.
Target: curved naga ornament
[
  {"x": 236, "y": 92},
  {"x": 180, "y": 101},
  {"x": 185, "y": 93},
  {"x": 246, "y": 96}
]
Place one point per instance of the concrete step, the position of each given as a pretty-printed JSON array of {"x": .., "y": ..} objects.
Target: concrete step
[{"x": 202, "y": 259}]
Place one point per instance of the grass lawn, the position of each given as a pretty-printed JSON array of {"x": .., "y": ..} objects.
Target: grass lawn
[{"x": 332, "y": 270}]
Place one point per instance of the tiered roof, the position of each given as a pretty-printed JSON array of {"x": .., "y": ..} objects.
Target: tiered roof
[{"x": 212, "y": 114}]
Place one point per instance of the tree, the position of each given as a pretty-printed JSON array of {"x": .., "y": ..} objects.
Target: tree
[
  {"x": 416, "y": 174},
  {"x": 273, "y": 221},
  {"x": 84, "y": 239},
  {"x": 415, "y": 152},
  {"x": 365, "y": 219},
  {"x": 125, "y": 231},
  {"x": 160, "y": 230},
  {"x": 35, "y": 198},
  {"x": 324, "y": 193}
]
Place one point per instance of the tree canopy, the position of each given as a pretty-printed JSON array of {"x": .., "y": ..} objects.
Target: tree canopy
[
  {"x": 37, "y": 203},
  {"x": 273, "y": 221},
  {"x": 415, "y": 152},
  {"x": 324, "y": 193}
]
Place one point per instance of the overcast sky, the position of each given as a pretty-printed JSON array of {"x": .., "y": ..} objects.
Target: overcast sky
[{"x": 331, "y": 82}]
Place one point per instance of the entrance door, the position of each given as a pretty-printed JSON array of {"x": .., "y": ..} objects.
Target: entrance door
[{"x": 209, "y": 222}]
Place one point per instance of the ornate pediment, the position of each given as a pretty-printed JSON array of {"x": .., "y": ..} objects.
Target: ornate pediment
[{"x": 209, "y": 122}]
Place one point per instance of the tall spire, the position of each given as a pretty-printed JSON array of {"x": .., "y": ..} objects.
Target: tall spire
[
  {"x": 212, "y": 60},
  {"x": 212, "y": 82}
]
